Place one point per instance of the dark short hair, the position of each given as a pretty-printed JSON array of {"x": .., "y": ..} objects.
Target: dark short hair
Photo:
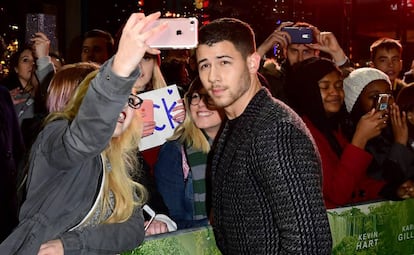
[
  {"x": 229, "y": 29},
  {"x": 384, "y": 43},
  {"x": 110, "y": 44}
]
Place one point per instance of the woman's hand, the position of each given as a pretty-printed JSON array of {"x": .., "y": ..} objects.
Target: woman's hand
[
  {"x": 369, "y": 126},
  {"x": 327, "y": 42},
  {"x": 148, "y": 128},
  {"x": 156, "y": 227},
  {"x": 399, "y": 125},
  {"x": 132, "y": 45},
  {"x": 179, "y": 111},
  {"x": 277, "y": 37},
  {"x": 41, "y": 45},
  {"x": 17, "y": 96},
  {"x": 53, "y": 247}
]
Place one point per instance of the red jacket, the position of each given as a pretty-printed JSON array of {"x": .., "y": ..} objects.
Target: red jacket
[{"x": 344, "y": 179}]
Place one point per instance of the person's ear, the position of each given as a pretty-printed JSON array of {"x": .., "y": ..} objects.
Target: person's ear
[{"x": 253, "y": 62}]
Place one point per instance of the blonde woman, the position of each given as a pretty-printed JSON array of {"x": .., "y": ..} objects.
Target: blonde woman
[
  {"x": 181, "y": 168},
  {"x": 151, "y": 76},
  {"x": 80, "y": 197}
]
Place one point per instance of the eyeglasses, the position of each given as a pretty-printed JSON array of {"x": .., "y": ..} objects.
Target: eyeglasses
[
  {"x": 134, "y": 101},
  {"x": 195, "y": 99}
]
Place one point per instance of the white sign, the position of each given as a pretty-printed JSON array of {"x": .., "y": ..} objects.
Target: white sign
[{"x": 164, "y": 99}]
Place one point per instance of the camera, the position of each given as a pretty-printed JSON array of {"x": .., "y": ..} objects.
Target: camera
[
  {"x": 299, "y": 35},
  {"x": 383, "y": 101}
]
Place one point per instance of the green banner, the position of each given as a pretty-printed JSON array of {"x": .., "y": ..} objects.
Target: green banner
[
  {"x": 380, "y": 228},
  {"x": 385, "y": 227},
  {"x": 195, "y": 241}
]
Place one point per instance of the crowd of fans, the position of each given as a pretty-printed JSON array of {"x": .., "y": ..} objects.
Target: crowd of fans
[{"x": 59, "y": 118}]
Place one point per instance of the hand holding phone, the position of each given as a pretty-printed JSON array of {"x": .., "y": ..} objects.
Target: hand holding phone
[
  {"x": 299, "y": 35},
  {"x": 383, "y": 102}
]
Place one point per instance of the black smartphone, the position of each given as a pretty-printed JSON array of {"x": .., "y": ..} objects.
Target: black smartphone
[{"x": 299, "y": 35}]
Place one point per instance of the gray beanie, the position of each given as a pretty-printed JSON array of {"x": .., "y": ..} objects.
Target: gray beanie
[{"x": 358, "y": 80}]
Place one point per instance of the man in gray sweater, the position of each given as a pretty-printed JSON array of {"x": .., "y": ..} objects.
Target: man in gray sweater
[{"x": 266, "y": 170}]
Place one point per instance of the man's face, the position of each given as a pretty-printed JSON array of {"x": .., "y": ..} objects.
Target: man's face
[
  {"x": 94, "y": 49},
  {"x": 224, "y": 74},
  {"x": 388, "y": 61},
  {"x": 296, "y": 53}
]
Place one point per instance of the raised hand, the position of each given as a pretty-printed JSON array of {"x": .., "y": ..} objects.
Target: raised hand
[
  {"x": 41, "y": 45},
  {"x": 276, "y": 37},
  {"x": 132, "y": 45},
  {"x": 327, "y": 42}
]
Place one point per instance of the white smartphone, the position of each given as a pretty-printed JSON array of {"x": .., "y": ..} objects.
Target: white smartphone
[{"x": 181, "y": 33}]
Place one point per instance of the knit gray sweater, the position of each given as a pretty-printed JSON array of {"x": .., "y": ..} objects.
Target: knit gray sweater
[{"x": 267, "y": 196}]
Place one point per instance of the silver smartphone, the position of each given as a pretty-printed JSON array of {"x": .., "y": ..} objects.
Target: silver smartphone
[
  {"x": 181, "y": 33},
  {"x": 383, "y": 101}
]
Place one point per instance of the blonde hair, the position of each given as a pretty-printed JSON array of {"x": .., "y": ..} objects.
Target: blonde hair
[
  {"x": 157, "y": 79},
  {"x": 64, "y": 83},
  {"x": 122, "y": 155},
  {"x": 187, "y": 133}
]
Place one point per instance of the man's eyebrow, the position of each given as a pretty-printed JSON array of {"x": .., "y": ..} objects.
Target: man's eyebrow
[
  {"x": 224, "y": 56},
  {"x": 217, "y": 57},
  {"x": 201, "y": 61}
]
